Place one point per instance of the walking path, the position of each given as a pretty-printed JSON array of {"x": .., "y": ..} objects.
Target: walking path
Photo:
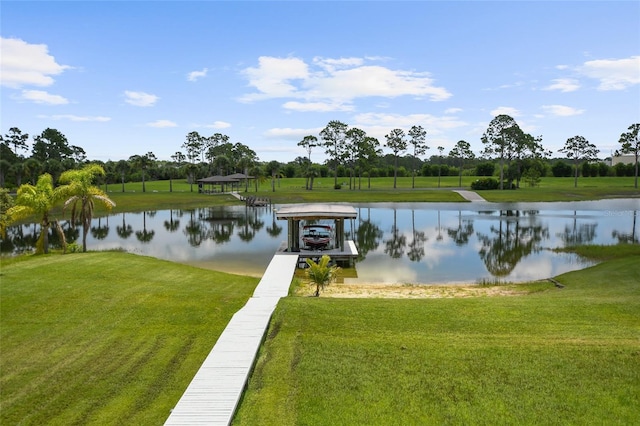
[
  {"x": 213, "y": 395},
  {"x": 470, "y": 195}
]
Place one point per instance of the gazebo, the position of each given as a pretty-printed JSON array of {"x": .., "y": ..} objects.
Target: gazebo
[
  {"x": 294, "y": 214},
  {"x": 223, "y": 181}
]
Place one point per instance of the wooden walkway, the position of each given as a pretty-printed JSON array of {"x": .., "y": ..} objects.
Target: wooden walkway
[{"x": 213, "y": 395}]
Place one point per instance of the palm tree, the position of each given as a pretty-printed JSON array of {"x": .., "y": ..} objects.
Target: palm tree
[
  {"x": 321, "y": 274},
  {"x": 122, "y": 167},
  {"x": 143, "y": 162},
  {"x": 38, "y": 201},
  {"x": 81, "y": 195}
]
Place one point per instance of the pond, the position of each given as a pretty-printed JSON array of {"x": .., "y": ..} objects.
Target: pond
[{"x": 425, "y": 243}]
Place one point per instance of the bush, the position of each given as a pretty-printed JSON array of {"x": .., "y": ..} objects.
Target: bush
[
  {"x": 532, "y": 177},
  {"x": 561, "y": 169},
  {"x": 337, "y": 186},
  {"x": 485, "y": 169},
  {"x": 603, "y": 169},
  {"x": 74, "y": 248},
  {"x": 486, "y": 183}
]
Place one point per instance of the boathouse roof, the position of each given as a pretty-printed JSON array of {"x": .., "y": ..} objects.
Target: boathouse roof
[{"x": 317, "y": 211}]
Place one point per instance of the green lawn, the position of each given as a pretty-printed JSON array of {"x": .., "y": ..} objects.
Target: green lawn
[
  {"x": 558, "y": 356},
  {"x": 106, "y": 338},
  {"x": 292, "y": 190},
  {"x": 114, "y": 338}
]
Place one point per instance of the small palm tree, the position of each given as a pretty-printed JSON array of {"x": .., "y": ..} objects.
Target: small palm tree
[
  {"x": 38, "y": 201},
  {"x": 81, "y": 195},
  {"x": 321, "y": 274}
]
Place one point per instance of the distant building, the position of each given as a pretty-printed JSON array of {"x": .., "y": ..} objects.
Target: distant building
[{"x": 624, "y": 159}]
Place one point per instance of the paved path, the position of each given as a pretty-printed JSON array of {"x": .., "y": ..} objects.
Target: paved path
[
  {"x": 470, "y": 195},
  {"x": 213, "y": 395}
]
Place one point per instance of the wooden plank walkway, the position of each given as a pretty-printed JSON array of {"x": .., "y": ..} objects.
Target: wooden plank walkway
[{"x": 213, "y": 395}]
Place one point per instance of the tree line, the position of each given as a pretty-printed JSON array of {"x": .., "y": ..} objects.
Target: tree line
[{"x": 507, "y": 151}]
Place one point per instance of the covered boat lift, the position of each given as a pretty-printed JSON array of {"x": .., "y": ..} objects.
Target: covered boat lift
[{"x": 294, "y": 214}]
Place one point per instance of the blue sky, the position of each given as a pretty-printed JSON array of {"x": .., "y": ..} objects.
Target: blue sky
[{"x": 123, "y": 78}]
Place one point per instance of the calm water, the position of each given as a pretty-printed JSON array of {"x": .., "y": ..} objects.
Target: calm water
[{"x": 417, "y": 243}]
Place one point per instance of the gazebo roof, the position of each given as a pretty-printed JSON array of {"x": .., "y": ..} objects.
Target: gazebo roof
[
  {"x": 218, "y": 179},
  {"x": 240, "y": 176},
  {"x": 317, "y": 211}
]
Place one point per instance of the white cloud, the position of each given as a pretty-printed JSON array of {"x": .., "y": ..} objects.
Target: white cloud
[
  {"x": 375, "y": 80},
  {"x": 216, "y": 125},
  {"x": 614, "y": 74},
  {"x": 72, "y": 117},
  {"x": 333, "y": 84},
  {"x": 432, "y": 124},
  {"x": 162, "y": 124},
  {"x": 562, "y": 110},
  {"x": 272, "y": 77},
  {"x": 378, "y": 125},
  {"x": 317, "y": 106},
  {"x": 331, "y": 65},
  {"x": 140, "y": 99},
  {"x": 564, "y": 85},
  {"x": 195, "y": 75},
  {"x": 506, "y": 111},
  {"x": 24, "y": 64},
  {"x": 42, "y": 97},
  {"x": 453, "y": 110},
  {"x": 289, "y": 133}
]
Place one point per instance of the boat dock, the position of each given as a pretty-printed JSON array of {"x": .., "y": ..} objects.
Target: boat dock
[{"x": 213, "y": 395}]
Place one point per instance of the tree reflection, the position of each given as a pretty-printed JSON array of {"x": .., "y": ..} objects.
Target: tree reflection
[
  {"x": 246, "y": 232},
  {"x": 194, "y": 230},
  {"x": 461, "y": 234},
  {"x": 124, "y": 231},
  {"x": 577, "y": 235},
  {"x": 368, "y": 235},
  {"x": 416, "y": 246},
  {"x": 274, "y": 229},
  {"x": 395, "y": 246},
  {"x": 145, "y": 236},
  {"x": 100, "y": 232},
  {"x": 171, "y": 225},
  {"x": 71, "y": 234},
  {"x": 511, "y": 241},
  {"x": 627, "y": 238},
  {"x": 250, "y": 224}
]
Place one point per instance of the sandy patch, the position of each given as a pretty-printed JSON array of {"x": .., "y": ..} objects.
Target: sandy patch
[{"x": 409, "y": 291}]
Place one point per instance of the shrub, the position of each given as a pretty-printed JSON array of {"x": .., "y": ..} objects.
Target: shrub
[
  {"x": 561, "y": 169},
  {"x": 337, "y": 186},
  {"x": 532, "y": 177},
  {"x": 485, "y": 169},
  {"x": 485, "y": 183},
  {"x": 74, "y": 248},
  {"x": 603, "y": 169}
]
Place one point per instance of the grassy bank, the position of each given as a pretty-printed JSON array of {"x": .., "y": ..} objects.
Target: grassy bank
[
  {"x": 106, "y": 338},
  {"x": 157, "y": 195},
  {"x": 558, "y": 356}
]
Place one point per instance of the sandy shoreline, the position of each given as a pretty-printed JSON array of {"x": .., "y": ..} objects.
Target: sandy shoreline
[{"x": 410, "y": 291}]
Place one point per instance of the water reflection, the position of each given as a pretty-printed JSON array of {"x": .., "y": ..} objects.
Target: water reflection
[
  {"x": 517, "y": 235},
  {"x": 421, "y": 243}
]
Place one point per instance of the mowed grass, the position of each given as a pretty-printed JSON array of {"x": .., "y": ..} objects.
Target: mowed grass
[
  {"x": 292, "y": 190},
  {"x": 557, "y": 356},
  {"x": 106, "y": 338}
]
